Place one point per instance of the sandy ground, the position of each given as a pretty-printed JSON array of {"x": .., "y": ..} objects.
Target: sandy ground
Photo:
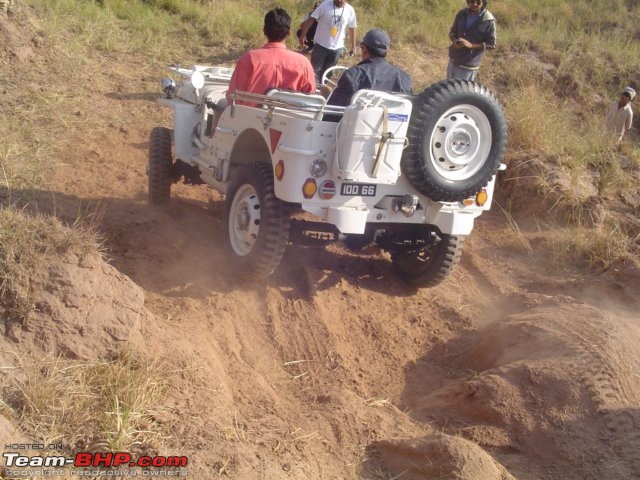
[{"x": 516, "y": 367}]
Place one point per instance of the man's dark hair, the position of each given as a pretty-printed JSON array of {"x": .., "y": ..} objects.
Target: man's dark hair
[{"x": 277, "y": 24}]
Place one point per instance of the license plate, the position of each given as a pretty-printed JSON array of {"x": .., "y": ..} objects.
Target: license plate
[{"x": 358, "y": 189}]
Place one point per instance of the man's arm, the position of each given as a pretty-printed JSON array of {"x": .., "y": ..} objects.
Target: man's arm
[
  {"x": 488, "y": 40},
  {"x": 490, "y": 37},
  {"x": 352, "y": 38},
  {"x": 406, "y": 83},
  {"x": 308, "y": 81},
  {"x": 608, "y": 118},
  {"x": 239, "y": 78},
  {"x": 304, "y": 28},
  {"x": 628, "y": 122},
  {"x": 464, "y": 43},
  {"x": 453, "y": 31}
]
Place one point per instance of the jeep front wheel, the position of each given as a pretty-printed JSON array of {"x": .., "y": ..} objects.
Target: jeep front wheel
[
  {"x": 429, "y": 266},
  {"x": 159, "y": 169},
  {"x": 257, "y": 222}
]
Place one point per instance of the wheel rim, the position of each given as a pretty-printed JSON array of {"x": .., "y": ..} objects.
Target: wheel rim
[
  {"x": 244, "y": 220},
  {"x": 460, "y": 143}
]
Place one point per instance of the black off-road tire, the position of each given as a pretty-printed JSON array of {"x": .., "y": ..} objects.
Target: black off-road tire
[
  {"x": 450, "y": 121},
  {"x": 430, "y": 266},
  {"x": 256, "y": 222},
  {"x": 160, "y": 166}
]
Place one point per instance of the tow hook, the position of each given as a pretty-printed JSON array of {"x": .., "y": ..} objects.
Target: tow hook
[{"x": 407, "y": 205}]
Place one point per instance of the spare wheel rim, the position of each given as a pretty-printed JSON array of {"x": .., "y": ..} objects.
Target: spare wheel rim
[
  {"x": 244, "y": 220},
  {"x": 460, "y": 142}
]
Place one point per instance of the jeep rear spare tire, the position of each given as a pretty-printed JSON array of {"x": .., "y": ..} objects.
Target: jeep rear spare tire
[
  {"x": 457, "y": 138},
  {"x": 257, "y": 222}
]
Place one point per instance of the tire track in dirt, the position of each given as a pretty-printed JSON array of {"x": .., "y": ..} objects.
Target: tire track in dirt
[
  {"x": 610, "y": 385},
  {"x": 597, "y": 362},
  {"x": 301, "y": 339},
  {"x": 597, "y": 359}
]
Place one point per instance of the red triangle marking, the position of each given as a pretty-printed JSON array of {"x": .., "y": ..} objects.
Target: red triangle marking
[{"x": 274, "y": 137}]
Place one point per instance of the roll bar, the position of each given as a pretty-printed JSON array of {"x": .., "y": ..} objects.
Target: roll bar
[{"x": 299, "y": 105}]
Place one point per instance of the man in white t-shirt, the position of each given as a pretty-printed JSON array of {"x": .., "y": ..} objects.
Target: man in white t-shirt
[{"x": 334, "y": 17}]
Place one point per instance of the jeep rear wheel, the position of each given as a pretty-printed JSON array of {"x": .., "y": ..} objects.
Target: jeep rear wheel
[
  {"x": 159, "y": 169},
  {"x": 257, "y": 222},
  {"x": 457, "y": 138},
  {"x": 429, "y": 266}
]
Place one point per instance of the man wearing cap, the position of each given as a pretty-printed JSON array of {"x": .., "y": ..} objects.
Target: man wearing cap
[
  {"x": 334, "y": 17},
  {"x": 373, "y": 72},
  {"x": 619, "y": 116},
  {"x": 473, "y": 31}
]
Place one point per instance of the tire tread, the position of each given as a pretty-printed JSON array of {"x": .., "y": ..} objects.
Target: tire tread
[
  {"x": 160, "y": 166},
  {"x": 414, "y": 159}
]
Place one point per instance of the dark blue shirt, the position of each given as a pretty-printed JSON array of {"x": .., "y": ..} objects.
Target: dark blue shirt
[
  {"x": 375, "y": 74},
  {"x": 470, "y": 20}
]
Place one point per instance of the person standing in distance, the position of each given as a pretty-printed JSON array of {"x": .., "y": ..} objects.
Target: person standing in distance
[
  {"x": 473, "y": 31},
  {"x": 620, "y": 115},
  {"x": 6, "y": 6},
  {"x": 334, "y": 17}
]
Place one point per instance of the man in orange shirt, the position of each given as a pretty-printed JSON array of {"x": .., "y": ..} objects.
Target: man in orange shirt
[{"x": 273, "y": 66}]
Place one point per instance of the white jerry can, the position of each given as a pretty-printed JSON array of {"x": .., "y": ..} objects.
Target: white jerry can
[{"x": 371, "y": 137}]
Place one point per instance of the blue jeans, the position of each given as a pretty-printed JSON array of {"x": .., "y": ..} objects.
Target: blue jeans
[
  {"x": 454, "y": 71},
  {"x": 323, "y": 58}
]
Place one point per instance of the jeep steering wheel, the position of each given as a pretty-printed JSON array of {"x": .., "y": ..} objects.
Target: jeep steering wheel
[{"x": 329, "y": 81}]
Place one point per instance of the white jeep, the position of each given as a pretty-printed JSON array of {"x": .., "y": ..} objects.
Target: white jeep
[{"x": 406, "y": 173}]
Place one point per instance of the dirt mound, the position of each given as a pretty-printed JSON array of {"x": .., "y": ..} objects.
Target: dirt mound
[
  {"x": 82, "y": 308},
  {"x": 15, "y": 42},
  {"x": 539, "y": 186},
  {"x": 439, "y": 457},
  {"x": 551, "y": 381}
]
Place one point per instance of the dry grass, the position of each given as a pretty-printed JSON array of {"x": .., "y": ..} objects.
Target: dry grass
[
  {"x": 27, "y": 242},
  {"x": 512, "y": 234},
  {"x": 94, "y": 405},
  {"x": 598, "y": 247},
  {"x": 378, "y": 402},
  {"x": 535, "y": 119}
]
